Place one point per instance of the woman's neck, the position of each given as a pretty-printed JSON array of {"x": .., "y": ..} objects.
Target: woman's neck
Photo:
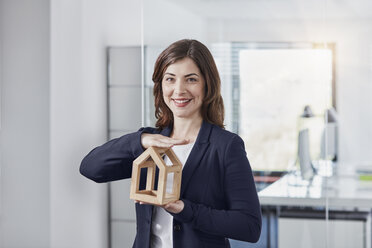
[{"x": 186, "y": 128}]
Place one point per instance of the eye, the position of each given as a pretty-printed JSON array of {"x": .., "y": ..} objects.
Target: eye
[
  {"x": 192, "y": 80},
  {"x": 168, "y": 79}
]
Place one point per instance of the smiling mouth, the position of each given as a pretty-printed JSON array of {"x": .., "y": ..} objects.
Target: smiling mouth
[{"x": 181, "y": 102}]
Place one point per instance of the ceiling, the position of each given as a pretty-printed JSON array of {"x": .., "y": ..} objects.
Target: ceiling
[{"x": 278, "y": 9}]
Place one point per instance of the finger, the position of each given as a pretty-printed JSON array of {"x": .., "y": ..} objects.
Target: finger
[
  {"x": 172, "y": 204},
  {"x": 168, "y": 208},
  {"x": 168, "y": 143},
  {"x": 162, "y": 144},
  {"x": 175, "y": 141},
  {"x": 168, "y": 205},
  {"x": 180, "y": 142},
  {"x": 166, "y": 139}
]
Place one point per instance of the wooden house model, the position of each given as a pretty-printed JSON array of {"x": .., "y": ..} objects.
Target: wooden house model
[{"x": 150, "y": 159}]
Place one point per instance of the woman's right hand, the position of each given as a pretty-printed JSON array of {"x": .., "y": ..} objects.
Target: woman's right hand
[{"x": 159, "y": 140}]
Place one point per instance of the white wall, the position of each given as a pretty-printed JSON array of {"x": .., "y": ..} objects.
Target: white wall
[
  {"x": 53, "y": 111},
  {"x": 24, "y": 198},
  {"x": 353, "y": 39},
  {"x": 75, "y": 203},
  {"x": 80, "y": 32}
]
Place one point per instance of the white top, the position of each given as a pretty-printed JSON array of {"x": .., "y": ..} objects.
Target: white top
[{"x": 162, "y": 221}]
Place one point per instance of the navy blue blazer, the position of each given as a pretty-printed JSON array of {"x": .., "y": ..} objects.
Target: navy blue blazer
[{"x": 217, "y": 188}]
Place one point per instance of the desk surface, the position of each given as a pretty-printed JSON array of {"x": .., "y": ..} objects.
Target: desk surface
[{"x": 336, "y": 191}]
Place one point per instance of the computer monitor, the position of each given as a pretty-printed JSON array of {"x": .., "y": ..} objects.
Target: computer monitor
[{"x": 328, "y": 146}]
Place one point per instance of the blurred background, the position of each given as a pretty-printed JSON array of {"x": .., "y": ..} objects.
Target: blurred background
[{"x": 297, "y": 87}]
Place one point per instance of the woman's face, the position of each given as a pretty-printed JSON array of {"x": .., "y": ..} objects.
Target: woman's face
[{"x": 183, "y": 89}]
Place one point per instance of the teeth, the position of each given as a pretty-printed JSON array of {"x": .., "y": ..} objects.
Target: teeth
[{"x": 181, "y": 101}]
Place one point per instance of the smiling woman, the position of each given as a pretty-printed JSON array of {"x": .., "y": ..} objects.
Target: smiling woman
[{"x": 218, "y": 198}]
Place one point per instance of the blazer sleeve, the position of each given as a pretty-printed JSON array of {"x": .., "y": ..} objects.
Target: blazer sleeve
[
  {"x": 241, "y": 219},
  {"x": 113, "y": 160}
]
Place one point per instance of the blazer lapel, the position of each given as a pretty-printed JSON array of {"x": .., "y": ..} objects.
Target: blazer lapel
[{"x": 196, "y": 154}]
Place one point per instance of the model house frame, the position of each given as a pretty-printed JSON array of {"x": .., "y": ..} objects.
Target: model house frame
[{"x": 150, "y": 159}]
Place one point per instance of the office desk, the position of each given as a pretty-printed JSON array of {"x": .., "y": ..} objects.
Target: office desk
[
  {"x": 335, "y": 192},
  {"x": 339, "y": 198}
]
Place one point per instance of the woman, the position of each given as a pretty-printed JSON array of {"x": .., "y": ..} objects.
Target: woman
[{"x": 218, "y": 196}]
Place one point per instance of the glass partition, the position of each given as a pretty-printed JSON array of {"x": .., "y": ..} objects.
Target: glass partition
[
  {"x": 346, "y": 163},
  {"x": 277, "y": 65},
  {"x": 296, "y": 84}
]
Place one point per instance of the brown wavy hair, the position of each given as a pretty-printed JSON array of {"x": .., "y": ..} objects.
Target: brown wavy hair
[{"x": 212, "y": 109}]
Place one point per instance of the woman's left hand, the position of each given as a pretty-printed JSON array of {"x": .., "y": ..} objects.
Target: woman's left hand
[{"x": 174, "y": 207}]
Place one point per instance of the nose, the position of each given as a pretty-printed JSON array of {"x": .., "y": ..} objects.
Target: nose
[{"x": 180, "y": 87}]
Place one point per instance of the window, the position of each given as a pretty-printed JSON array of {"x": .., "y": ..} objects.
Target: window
[{"x": 265, "y": 88}]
